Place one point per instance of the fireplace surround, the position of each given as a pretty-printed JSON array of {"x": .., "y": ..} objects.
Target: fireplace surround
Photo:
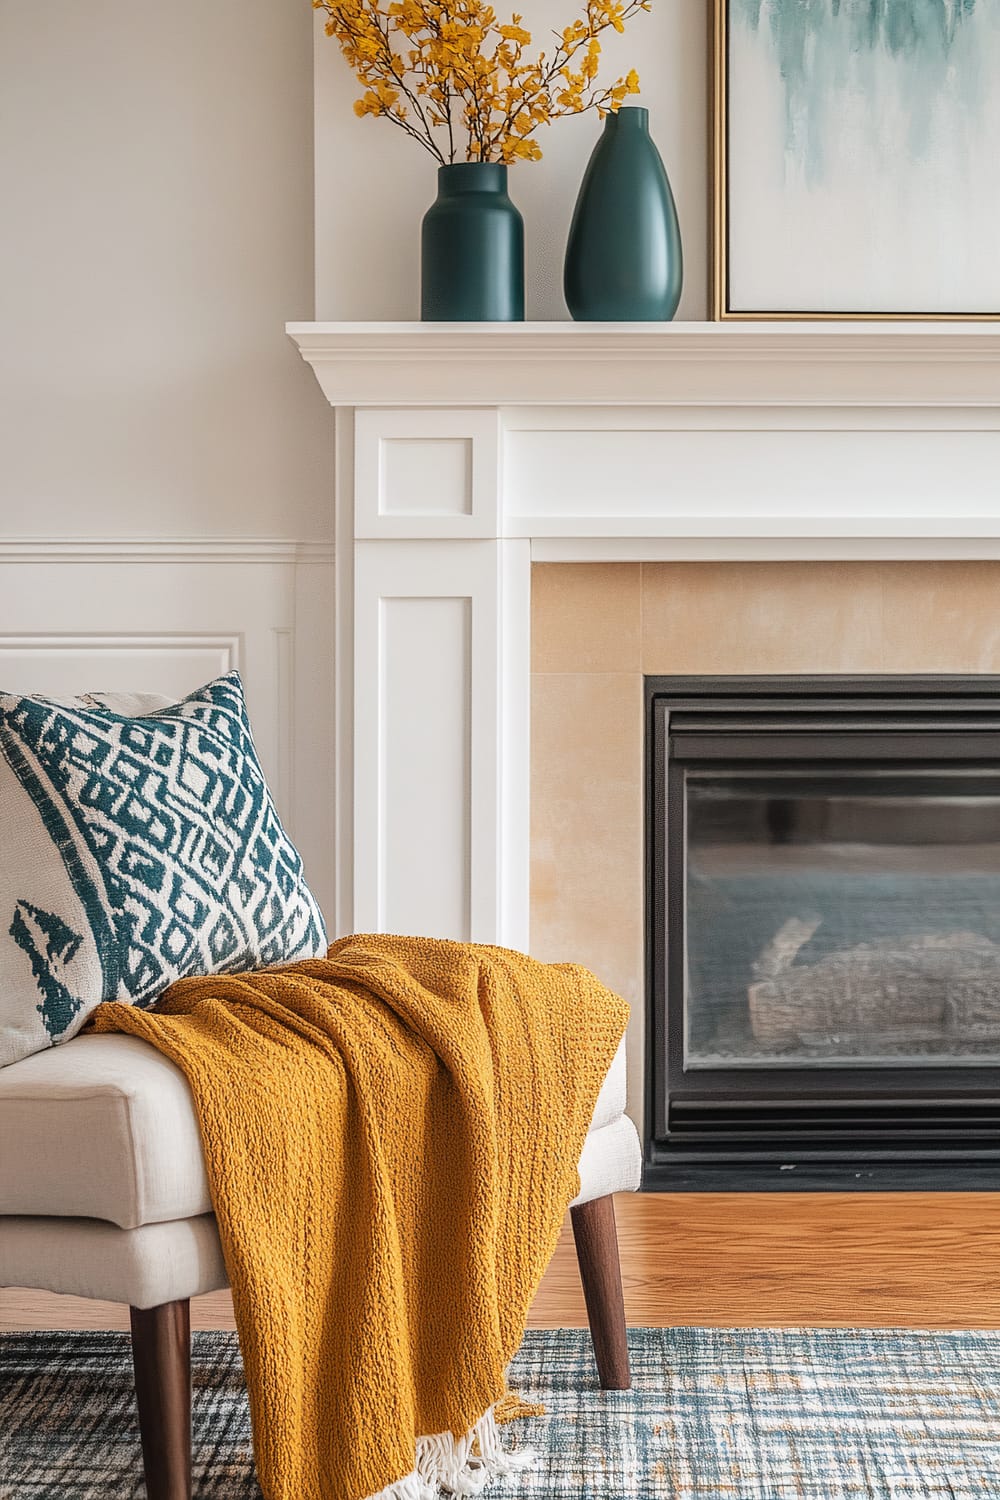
[
  {"x": 823, "y": 921},
  {"x": 468, "y": 455}
]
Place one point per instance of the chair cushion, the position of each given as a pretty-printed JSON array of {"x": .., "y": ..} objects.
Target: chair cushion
[
  {"x": 610, "y": 1162},
  {"x": 102, "y": 1128},
  {"x": 84, "y": 1258}
]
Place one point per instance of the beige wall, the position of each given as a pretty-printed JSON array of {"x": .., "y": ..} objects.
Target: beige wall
[
  {"x": 156, "y": 192},
  {"x": 598, "y": 628},
  {"x": 373, "y": 184}
]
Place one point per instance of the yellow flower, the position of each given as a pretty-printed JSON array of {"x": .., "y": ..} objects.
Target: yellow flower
[{"x": 439, "y": 70}]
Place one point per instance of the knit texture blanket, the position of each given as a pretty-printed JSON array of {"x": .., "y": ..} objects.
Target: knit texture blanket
[{"x": 391, "y": 1136}]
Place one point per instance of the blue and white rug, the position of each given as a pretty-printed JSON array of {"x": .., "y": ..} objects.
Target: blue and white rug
[{"x": 714, "y": 1414}]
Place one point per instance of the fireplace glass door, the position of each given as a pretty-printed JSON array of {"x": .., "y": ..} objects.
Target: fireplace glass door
[
  {"x": 823, "y": 921},
  {"x": 842, "y": 917}
]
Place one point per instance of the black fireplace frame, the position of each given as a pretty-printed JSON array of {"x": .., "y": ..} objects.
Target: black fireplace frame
[{"x": 927, "y": 1128}]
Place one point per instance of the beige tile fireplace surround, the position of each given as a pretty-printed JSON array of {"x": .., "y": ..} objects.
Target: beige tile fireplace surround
[{"x": 597, "y": 628}]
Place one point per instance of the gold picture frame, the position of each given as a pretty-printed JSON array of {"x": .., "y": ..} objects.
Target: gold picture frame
[{"x": 720, "y": 309}]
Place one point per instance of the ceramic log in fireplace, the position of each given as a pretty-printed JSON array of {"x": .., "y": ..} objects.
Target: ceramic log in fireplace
[{"x": 823, "y": 931}]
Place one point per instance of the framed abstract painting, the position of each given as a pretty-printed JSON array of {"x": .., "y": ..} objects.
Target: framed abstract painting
[{"x": 856, "y": 156}]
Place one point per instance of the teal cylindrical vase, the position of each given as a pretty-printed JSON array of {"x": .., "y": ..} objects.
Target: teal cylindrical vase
[
  {"x": 623, "y": 258},
  {"x": 472, "y": 248}
]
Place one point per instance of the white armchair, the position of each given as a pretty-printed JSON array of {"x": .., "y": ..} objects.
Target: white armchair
[{"x": 103, "y": 1193}]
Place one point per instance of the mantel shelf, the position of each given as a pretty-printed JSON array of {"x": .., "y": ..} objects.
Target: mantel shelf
[{"x": 875, "y": 364}]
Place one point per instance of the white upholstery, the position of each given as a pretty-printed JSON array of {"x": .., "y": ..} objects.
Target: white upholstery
[
  {"x": 611, "y": 1161},
  {"x": 102, "y": 1127},
  {"x": 103, "y": 1190},
  {"x": 611, "y": 1100},
  {"x": 85, "y": 1258},
  {"x": 168, "y": 1262}
]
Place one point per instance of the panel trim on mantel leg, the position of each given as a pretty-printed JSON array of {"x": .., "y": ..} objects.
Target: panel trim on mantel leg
[
  {"x": 431, "y": 474},
  {"x": 441, "y": 672}
]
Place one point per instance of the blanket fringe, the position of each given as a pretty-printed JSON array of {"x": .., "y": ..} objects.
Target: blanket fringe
[
  {"x": 410, "y": 1488},
  {"x": 458, "y": 1466}
]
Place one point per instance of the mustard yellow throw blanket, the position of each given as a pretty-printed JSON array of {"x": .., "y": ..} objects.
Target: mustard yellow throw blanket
[{"x": 392, "y": 1136}]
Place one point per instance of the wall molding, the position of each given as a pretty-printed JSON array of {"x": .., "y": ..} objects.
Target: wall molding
[
  {"x": 230, "y": 643},
  {"x": 138, "y": 550},
  {"x": 169, "y": 614}
]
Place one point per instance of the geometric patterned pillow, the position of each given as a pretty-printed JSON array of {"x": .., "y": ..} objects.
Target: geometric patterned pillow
[{"x": 135, "y": 850}]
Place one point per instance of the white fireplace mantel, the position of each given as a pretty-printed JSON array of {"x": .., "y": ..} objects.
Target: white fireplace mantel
[
  {"x": 636, "y": 364},
  {"x": 466, "y": 451}
]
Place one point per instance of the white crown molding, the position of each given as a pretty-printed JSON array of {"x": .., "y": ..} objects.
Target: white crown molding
[
  {"x": 643, "y": 364},
  {"x": 132, "y": 551}
]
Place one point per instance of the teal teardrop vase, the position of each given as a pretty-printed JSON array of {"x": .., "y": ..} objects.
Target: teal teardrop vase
[
  {"x": 472, "y": 248},
  {"x": 623, "y": 257}
]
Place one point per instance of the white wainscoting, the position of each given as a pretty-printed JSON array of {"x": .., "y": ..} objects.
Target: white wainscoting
[{"x": 168, "y": 616}]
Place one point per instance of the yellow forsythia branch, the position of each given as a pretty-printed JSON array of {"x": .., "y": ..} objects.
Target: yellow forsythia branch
[{"x": 448, "y": 70}]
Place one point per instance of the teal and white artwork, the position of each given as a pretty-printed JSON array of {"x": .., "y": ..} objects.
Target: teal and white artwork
[{"x": 859, "y": 157}]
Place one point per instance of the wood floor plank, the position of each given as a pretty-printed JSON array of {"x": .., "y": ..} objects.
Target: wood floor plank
[
  {"x": 826, "y": 1259},
  {"x": 917, "y": 1260}
]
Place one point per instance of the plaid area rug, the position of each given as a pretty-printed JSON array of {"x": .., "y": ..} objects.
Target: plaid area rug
[{"x": 715, "y": 1414}]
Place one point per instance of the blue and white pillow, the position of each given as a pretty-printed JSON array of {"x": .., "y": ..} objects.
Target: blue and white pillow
[{"x": 136, "y": 850}]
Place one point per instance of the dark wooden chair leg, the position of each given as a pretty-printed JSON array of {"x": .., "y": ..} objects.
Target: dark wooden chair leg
[
  {"x": 600, "y": 1271},
  {"x": 161, "y": 1354}
]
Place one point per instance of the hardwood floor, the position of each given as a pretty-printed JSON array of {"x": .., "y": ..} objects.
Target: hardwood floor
[{"x": 752, "y": 1259}]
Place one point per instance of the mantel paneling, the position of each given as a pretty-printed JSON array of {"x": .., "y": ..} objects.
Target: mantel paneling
[{"x": 771, "y": 477}]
